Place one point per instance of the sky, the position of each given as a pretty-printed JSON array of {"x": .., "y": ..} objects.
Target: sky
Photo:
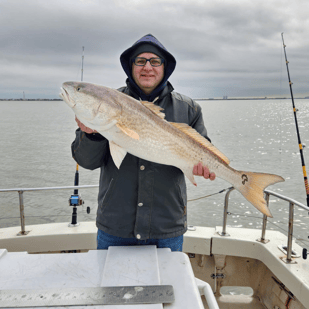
[{"x": 223, "y": 47}]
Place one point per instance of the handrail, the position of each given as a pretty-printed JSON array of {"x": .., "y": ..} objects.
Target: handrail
[
  {"x": 263, "y": 240},
  {"x": 223, "y": 233},
  {"x": 48, "y": 188},
  {"x": 21, "y": 199}
]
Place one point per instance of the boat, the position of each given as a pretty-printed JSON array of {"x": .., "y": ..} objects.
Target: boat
[{"x": 57, "y": 264}]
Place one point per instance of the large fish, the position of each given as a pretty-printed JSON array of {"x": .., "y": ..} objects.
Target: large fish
[{"x": 139, "y": 128}]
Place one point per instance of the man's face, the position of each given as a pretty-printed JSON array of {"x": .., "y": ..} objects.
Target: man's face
[{"x": 147, "y": 77}]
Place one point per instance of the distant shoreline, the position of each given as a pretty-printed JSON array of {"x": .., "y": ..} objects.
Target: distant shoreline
[
  {"x": 198, "y": 99},
  {"x": 234, "y": 99},
  {"x": 31, "y": 100}
]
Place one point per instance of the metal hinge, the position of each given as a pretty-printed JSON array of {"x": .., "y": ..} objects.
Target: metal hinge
[{"x": 217, "y": 276}]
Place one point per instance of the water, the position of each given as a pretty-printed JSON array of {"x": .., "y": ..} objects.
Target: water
[{"x": 256, "y": 135}]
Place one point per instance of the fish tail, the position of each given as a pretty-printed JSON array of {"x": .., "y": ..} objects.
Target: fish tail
[{"x": 252, "y": 188}]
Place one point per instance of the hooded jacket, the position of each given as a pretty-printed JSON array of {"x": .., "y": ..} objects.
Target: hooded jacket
[
  {"x": 142, "y": 199},
  {"x": 126, "y": 62}
]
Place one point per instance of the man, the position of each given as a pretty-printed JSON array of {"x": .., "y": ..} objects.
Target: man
[{"x": 142, "y": 202}]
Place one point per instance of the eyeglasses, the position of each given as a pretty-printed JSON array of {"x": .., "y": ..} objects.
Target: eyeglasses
[{"x": 155, "y": 62}]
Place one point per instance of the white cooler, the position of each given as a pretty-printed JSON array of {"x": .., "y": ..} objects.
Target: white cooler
[{"x": 83, "y": 278}]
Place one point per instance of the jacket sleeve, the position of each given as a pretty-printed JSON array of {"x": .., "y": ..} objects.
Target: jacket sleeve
[
  {"x": 89, "y": 150},
  {"x": 194, "y": 117},
  {"x": 197, "y": 121}
]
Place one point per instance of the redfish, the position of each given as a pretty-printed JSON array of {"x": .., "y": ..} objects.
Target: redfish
[{"x": 139, "y": 128}]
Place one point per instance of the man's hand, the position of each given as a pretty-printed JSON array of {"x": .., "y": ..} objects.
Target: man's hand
[
  {"x": 84, "y": 128},
  {"x": 200, "y": 170}
]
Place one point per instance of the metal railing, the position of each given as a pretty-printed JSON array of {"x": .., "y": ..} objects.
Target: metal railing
[
  {"x": 21, "y": 199},
  {"x": 292, "y": 203}
]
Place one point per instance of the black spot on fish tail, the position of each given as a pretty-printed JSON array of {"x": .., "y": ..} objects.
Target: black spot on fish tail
[{"x": 245, "y": 178}]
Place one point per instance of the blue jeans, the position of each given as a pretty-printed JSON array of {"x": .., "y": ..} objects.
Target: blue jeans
[{"x": 105, "y": 240}]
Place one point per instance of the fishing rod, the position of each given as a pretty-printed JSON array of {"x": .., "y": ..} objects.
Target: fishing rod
[
  {"x": 75, "y": 200},
  {"x": 296, "y": 124},
  {"x": 76, "y": 182}
]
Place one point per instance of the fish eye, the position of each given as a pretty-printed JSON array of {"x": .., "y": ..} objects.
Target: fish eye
[{"x": 78, "y": 88}]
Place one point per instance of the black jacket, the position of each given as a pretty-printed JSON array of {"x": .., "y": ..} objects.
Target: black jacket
[{"x": 142, "y": 199}]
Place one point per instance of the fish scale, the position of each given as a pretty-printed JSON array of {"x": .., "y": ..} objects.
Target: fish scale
[{"x": 139, "y": 128}]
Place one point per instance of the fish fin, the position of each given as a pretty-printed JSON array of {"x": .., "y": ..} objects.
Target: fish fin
[
  {"x": 127, "y": 131},
  {"x": 117, "y": 153},
  {"x": 154, "y": 108},
  {"x": 189, "y": 174},
  {"x": 252, "y": 188},
  {"x": 200, "y": 139}
]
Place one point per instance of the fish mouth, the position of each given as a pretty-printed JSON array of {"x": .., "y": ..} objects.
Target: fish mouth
[{"x": 66, "y": 97}]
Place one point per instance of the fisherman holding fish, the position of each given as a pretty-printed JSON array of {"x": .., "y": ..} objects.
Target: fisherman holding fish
[
  {"x": 142, "y": 202},
  {"x": 144, "y": 153}
]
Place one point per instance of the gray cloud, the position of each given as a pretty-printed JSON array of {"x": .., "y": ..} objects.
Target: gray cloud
[{"x": 222, "y": 47}]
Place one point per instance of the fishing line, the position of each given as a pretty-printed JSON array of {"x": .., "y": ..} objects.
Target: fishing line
[
  {"x": 241, "y": 215},
  {"x": 199, "y": 198}
]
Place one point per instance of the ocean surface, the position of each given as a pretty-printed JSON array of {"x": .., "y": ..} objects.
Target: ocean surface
[{"x": 256, "y": 135}]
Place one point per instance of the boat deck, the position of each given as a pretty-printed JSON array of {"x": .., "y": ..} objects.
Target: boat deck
[{"x": 241, "y": 259}]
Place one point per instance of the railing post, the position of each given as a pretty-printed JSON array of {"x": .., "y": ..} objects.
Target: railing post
[
  {"x": 226, "y": 205},
  {"x": 22, "y": 214},
  {"x": 290, "y": 235},
  {"x": 288, "y": 249},
  {"x": 262, "y": 239}
]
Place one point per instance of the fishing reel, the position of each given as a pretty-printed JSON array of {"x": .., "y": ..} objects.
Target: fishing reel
[{"x": 76, "y": 200}]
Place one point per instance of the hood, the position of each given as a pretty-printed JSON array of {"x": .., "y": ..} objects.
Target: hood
[{"x": 169, "y": 65}]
